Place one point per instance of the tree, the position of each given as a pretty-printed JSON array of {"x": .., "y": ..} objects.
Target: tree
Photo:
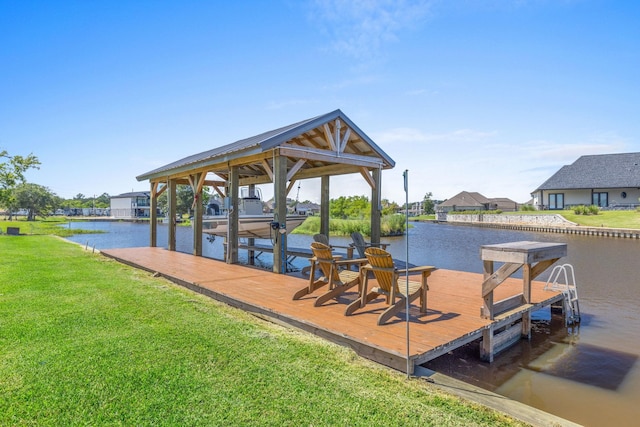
[
  {"x": 36, "y": 199},
  {"x": 352, "y": 207},
  {"x": 184, "y": 199},
  {"x": 428, "y": 205},
  {"x": 389, "y": 208},
  {"x": 12, "y": 170},
  {"x": 103, "y": 201}
]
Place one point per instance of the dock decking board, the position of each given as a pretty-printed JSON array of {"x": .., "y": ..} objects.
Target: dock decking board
[{"x": 453, "y": 304}]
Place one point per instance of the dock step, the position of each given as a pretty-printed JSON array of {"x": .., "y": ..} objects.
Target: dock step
[{"x": 563, "y": 279}]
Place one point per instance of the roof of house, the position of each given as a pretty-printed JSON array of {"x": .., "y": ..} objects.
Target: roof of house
[
  {"x": 308, "y": 206},
  {"x": 503, "y": 203},
  {"x": 597, "y": 171},
  {"x": 466, "y": 198},
  {"x": 132, "y": 194},
  {"x": 323, "y": 140}
]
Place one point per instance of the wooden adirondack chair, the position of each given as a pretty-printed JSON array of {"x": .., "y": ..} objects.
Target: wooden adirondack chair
[
  {"x": 360, "y": 245},
  {"x": 337, "y": 279},
  {"x": 387, "y": 275},
  {"x": 325, "y": 240}
]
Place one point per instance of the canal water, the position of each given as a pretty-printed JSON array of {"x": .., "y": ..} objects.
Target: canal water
[{"x": 589, "y": 374}]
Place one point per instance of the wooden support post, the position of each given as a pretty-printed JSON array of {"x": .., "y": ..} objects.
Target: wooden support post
[
  {"x": 486, "y": 345},
  {"x": 324, "y": 205},
  {"x": 197, "y": 218},
  {"x": 376, "y": 207},
  {"x": 280, "y": 197},
  {"x": 153, "y": 216},
  {"x": 251, "y": 241},
  {"x": 526, "y": 293},
  {"x": 233, "y": 194},
  {"x": 487, "y": 305},
  {"x": 172, "y": 202}
]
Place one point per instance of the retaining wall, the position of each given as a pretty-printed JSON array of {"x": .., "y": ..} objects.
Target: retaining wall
[{"x": 540, "y": 224}]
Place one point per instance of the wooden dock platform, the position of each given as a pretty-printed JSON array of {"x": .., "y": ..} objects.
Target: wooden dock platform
[{"x": 453, "y": 315}]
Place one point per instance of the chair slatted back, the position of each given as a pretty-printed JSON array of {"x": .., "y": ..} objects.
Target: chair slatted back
[
  {"x": 324, "y": 257},
  {"x": 321, "y": 238},
  {"x": 383, "y": 269},
  {"x": 359, "y": 243}
]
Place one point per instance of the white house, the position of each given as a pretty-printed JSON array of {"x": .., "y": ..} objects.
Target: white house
[
  {"x": 605, "y": 180},
  {"x": 131, "y": 205}
]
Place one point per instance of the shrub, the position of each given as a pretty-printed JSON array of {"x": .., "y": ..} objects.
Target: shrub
[
  {"x": 586, "y": 210},
  {"x": 391, "y": 225}
]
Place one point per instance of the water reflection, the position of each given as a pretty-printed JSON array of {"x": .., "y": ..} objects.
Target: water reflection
[{"x": 588, "y": 364}]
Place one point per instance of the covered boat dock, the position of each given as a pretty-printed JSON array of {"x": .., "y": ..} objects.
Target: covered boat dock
[{"x": 319, "y": 147}]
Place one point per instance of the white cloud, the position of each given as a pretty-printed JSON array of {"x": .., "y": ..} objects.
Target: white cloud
[{"x": 360, "y": 28}]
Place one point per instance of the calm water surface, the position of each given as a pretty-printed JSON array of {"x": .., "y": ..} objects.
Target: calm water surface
[{"x": 588, "y": 374}]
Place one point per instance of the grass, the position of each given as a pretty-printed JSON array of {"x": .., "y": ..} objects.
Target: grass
[
  {"x": 85, "y": 340},
  {"x": 609, "y": 219},
  {"x": 391, "y": 225},
  {"x": 49, "y": 226},
  {"x": 423, "y": 218}
]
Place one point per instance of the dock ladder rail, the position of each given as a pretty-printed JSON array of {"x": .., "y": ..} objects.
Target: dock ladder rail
[{"x": 568, "y": 289}]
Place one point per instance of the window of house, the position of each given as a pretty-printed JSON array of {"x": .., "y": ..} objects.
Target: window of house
[
  {"x": 600, "y": 199},
  {"x": 556, "y": 201}
]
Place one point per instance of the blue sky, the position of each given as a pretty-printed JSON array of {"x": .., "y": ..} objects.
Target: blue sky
[{"x": 491, "y": 96}]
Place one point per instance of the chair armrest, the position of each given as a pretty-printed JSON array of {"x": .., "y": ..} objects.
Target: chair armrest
[
  {"x": 422, "y": 269},
  {"x": 352, "y": 261},
  {"x": 382, "y": 246},
  {"x": 338, "y": 246}
]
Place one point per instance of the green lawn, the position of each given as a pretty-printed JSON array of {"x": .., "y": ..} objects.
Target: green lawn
[
  {"x": 85, "y": 340},
  {"x": 611, "y": 219},
  {"x": 52, "y": 225}
]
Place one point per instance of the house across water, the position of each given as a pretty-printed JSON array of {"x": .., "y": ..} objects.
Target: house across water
[{"x": 606, "y": 180}]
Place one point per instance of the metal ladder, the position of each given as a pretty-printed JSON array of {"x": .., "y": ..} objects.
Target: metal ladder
[{"x": 568, "y": 289}]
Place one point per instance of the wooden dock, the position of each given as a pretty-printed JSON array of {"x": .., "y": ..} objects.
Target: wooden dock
[{"x": 453, "y": 315}]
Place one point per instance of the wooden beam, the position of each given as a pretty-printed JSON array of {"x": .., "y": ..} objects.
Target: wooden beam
[
  {"x": 197, "y": 214},
  {"x": 232, "y": 220},
  {"x": 376, "y": 207},
  {"x": 290, "y": 186},
  {"x": 267, "y": 169},
  {"x": 319, "y": 155},
  {"x": 495, "y": 279},
  {"x": 280, "y": 214},
  {"x": 332, "y": 170},
  {"x": 345, "y": 139},
  {"x": 256, "y": 180},
  {"x": 218, "y": 190},
  {"x": 201, "y": 181},
  {"x": 172, "y": 202},
  {"x": 537, "y": 269},
  {"x": 295, "y": 169},
  {"x": 157, "y": 189},
  {"x": 153, "y": 220},
  {"x": 329, "y": 137},
  {"x": 324, "y": 205},
  {"x": 365, "y": 173}
]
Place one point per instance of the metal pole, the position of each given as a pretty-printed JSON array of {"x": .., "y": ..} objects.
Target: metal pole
[{"x": 406, "y": 215}]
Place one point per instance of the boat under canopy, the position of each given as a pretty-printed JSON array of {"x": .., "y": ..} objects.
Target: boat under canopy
[{"x": 252, "y": 221}]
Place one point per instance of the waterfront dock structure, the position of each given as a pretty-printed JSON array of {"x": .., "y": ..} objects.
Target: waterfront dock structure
[{"x": 453, "y": 317}]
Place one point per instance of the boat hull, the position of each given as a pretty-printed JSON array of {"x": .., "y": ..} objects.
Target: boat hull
[{"x": 257, "y": 227}]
